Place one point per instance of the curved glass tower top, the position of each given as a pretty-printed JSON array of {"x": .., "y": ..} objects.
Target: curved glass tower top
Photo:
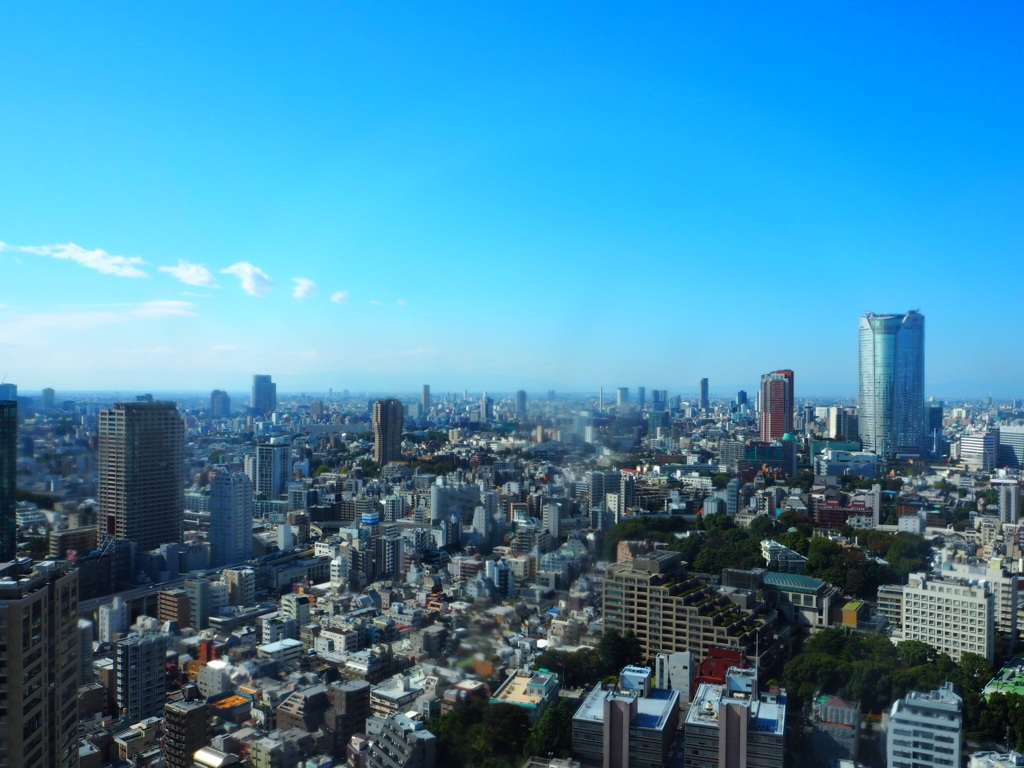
[{"x": 892, "y": 417}]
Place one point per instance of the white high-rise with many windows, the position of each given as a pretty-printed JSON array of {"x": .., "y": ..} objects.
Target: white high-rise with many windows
[
  {"x": 925, "y": 730},
  {"x": 953, "y": 615}
]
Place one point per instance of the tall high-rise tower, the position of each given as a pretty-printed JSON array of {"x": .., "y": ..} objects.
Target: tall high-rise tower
[
  {"x": 220, "y": 404},
  {"x": 264, "y": 395},
  {"x": 776, "y": 403},
  {"x": 388, "y": 415},
  {"x": 521, "y": 403},
  {"x": 622, "y": 397},
  {"x": 425, "y": 398},
  {"x": 141, "y": 489},
  {"x": 641, "y": 397},
  {"x": 892, "y": 414},
  {"x": 272, "y": 469},
  {"x": 39, "y": 659},
  {"x": 8, "y": 470},
  {"x": 705, "y": 403},
  {"x": 231, "y": 512}
]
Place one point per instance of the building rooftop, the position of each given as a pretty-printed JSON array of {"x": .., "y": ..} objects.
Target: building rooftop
[
  {"x": 526, "y": 689},
  {"x": 767, "y": 711},
  {"x": 793, "y": 582},
  {"x": 653, "y": 711},
  {"x": 1009, "y": 679}
]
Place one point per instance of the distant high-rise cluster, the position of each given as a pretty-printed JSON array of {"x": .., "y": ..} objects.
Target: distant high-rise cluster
[
  {"x": 264, "y": 395},
  {"x": 141, "y": 453},
  {"x": 388, "y": 415},
  {"x": 892, "y": 412}
]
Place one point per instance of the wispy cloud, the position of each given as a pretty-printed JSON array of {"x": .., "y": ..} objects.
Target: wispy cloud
[
  {"x": 254, "y": 280},
  {"x": 163, "y": 308},
  {"x": 192, "y": 274},
  {"x": 341, "y": 297},
  {"x": 401, "y": 302},
  {"x": 303, "y": 287},
  {"x": 374, "y": 301},
  {"x": 100, "y": 260}
]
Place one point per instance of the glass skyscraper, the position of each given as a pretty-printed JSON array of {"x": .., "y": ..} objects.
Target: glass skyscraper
[{"x": 892, "y": 412}]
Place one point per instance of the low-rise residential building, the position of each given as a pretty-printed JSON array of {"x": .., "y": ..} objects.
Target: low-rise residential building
[
  {"x": 890, "y": 603},
  {"x": 533, "y": 691}
]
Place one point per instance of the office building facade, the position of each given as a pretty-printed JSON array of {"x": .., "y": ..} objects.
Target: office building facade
[
  {"x": 388, "y": 415},
  {"x": 40, "y": 677},
  {"x": 891, "y": 397},
  {"x": 704, "y": 400},
  {"x": 141, "y": 483},
  {"x": 776, "y": 403}
]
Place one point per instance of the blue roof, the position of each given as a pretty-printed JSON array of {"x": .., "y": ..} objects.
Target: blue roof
[
  {"x": 662, "y": 694},
  {"x": 646, "y": 721},
  {"x": 792, "y": 581}
]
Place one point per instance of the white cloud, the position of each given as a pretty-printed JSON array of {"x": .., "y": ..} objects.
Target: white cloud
[
  {"x": 163, "y": 308},
  {"x": 401, "y": 302},
  {"x": 191, "y": 274},
  {"x": 254, "y": 280},
  {"x": 374, "y": 301},
  {"x": 341, "y": 297},
  {"x": 100, "y": 260},
  {"x": 303, "y": 287}
]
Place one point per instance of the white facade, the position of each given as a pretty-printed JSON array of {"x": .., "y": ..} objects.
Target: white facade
[
  {"x": 925, "y": 730},
  {"x": 954, "y": 616},
  {"x": 113, "y": 620}
]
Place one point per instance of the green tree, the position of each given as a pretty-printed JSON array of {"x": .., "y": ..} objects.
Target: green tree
[{"x": 553, "y": 731}]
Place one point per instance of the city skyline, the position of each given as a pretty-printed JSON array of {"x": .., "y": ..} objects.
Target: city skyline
[{"x": 365, "y": 208}]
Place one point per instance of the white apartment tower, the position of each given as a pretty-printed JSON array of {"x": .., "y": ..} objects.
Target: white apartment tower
[
  {"x": 231, "y": 513},
  {"x": 925, "y": 730},
  {"x": 953, "y": 615}
]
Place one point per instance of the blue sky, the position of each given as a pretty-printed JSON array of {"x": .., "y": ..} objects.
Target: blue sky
[{"x": 507, "y": 195}]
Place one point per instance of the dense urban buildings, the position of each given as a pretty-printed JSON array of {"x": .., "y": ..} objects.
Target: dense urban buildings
[
  {"x": 892, "y": 417},
  {"x": 349, "y": 568},
  {"x": 141, "y": 452}
]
